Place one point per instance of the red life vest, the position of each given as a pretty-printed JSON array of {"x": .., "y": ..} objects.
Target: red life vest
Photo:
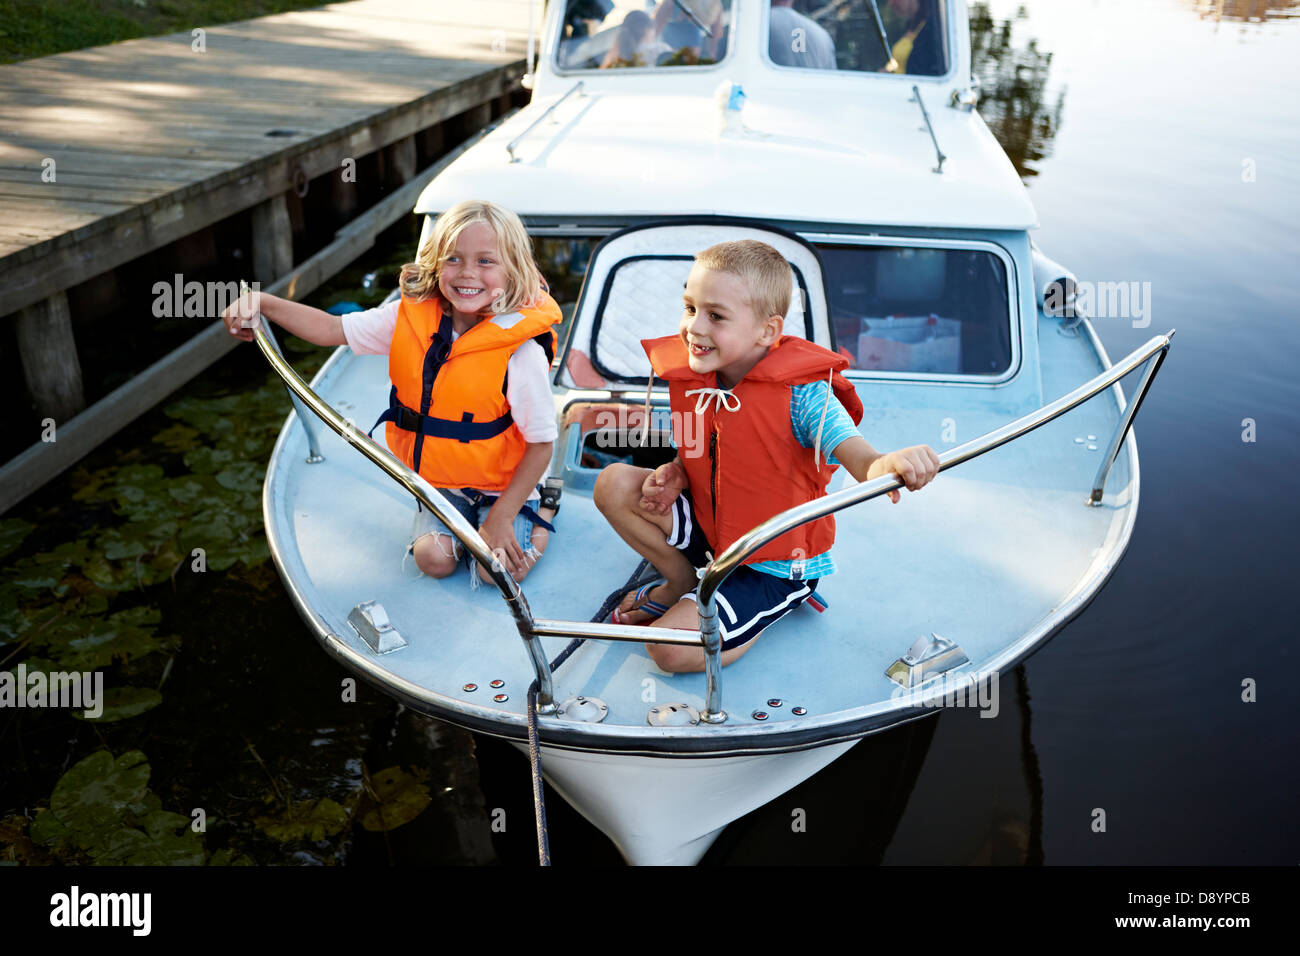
[
  {"x": 448, "y": 418},
  {"x": 745, "y": 466}
]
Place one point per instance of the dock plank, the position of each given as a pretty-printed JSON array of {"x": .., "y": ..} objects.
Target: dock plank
[{"x": 185, "y": 132}]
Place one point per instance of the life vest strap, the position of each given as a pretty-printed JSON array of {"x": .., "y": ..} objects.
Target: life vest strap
[{"x": 463, "y": 430}]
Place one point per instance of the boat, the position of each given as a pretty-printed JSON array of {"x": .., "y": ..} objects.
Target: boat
[{"x": 908, "y": 230}]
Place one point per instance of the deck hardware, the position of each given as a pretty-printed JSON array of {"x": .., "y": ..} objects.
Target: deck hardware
[
  {"x": 1078, "y": 440},
  {"x": 916, "y": 95},
  {"x": 927, "y": 657},
  {"x": 966, "y": 100},
  {"x": 500, "y": 698},
  {"x": 774, "y": 702},
  {"x": 798, "y": 711},
  {"x": 497, "y": 683},
  {"x": 672, "y": 715},
  {"x": 510, "y": 147},
  {"x": 1092, "y": 438},
  {"x": 1092, "y": 447},
  {"x": 470, "y": 688},
  {"x": 759, "y": 715},
  {"x": 370, "y": 621},
  {"x": 588, "y": 710}
]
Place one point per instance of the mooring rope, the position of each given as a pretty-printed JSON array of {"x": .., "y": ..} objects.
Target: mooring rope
[{"x": 638, "y": 578}]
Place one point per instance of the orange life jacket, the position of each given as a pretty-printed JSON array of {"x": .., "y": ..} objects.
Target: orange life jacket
[
  {"x": 745, "y": 466},
  {"x": 448, "y": 418}
]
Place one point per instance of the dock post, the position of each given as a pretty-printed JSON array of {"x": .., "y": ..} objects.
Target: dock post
[
  {"x": 272, "y": 240},
  {"x": 399, "y": 162},
  {"x": 49, "y": 356}
]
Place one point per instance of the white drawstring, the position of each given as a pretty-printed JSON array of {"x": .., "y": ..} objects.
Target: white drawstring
[
  {"x": 722, "y": 398},
  {"x": 817, "y": 442},
  {"x": 645, "y": 412}
]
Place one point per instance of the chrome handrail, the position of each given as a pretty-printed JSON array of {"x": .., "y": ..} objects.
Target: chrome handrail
[
  {"x": 1152, "y": 353},
  {"x": 530, "y": 630},
  {"x": 510, "y": 147},
  {"x": 314, "y": 457}
]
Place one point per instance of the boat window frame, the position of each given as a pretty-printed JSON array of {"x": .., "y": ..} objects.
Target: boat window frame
[
  {"x": 1014, "y": 312},
  {"x": 558, "y": 38},
  {"x": 949, "y": 38}
]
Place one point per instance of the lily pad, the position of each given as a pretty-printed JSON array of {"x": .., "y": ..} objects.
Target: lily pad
[
  {"x": 121, "y": 703},
  {"x": 12, "y": 533},
  {"x": 308, "y": 820},
  {"x": 103, "y": 807},
  {"x": 401, "y": 797}
]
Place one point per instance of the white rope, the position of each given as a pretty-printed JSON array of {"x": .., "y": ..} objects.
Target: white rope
[
  {"x": 721, "y": 398},
  {"x": 817, "y": 442}
]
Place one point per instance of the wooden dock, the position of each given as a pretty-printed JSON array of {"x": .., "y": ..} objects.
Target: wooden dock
[{"x": 110, "y": 154}]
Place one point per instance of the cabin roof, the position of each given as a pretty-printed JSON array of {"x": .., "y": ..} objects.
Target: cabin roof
[{"x": 865, "y": 160}]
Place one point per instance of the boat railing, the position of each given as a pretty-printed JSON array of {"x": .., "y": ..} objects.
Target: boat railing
[{"x": 531, "y": 629}]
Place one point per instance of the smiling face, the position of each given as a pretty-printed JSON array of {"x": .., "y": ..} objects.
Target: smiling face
[
  {"x": 473, "y": 273},
  {"x": 721, "y": 331}
]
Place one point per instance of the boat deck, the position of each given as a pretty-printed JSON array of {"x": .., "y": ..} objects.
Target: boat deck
[{"x": 985, "y": 556}]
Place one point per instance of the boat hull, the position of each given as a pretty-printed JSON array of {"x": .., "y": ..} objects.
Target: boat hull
[{"x": 662, "y": 811}]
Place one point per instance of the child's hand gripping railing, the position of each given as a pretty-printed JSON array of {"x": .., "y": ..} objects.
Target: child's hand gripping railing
[
  {"x": 306, "y": 400},
  {"x": 1152, "y": 353}
]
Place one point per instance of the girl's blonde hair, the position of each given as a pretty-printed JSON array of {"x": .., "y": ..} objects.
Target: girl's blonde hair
[{"x": 524, "y": 284}]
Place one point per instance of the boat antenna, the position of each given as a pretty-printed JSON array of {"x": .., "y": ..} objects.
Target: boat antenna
[{"x": 892, "y": 65}]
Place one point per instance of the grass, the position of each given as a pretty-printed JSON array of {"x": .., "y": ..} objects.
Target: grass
[{"x": 32, "y": 28}]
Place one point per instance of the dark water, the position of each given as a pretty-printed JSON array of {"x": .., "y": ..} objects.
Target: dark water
[{"x": 1159, "y": 146}]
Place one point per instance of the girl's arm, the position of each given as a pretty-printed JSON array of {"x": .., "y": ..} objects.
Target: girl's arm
[
  {"x": 498, "y": 526},
  {"x": 314, "y": 325}
]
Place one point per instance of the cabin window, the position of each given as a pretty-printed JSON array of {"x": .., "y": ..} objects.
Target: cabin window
[
  {"x": 920, "y": 310},
  {"x": 845, "y": 35},
  {"x": 563, "y": 263},
  {"x": 630, "y": 34}
]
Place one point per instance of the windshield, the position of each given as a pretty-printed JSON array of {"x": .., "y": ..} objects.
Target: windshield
[
  {"x": 909, "y": 309},
  {"x": 846, "y": 35},
  {"x": 632, "y": 34}
]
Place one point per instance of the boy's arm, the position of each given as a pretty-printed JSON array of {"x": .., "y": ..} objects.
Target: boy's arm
[
  {"x": 916, "y": 465},
  {"x": 498, "y": 526},
  {"x": 314, "y": 325}
]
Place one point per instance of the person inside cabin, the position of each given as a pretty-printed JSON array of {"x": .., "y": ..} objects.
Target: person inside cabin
[
  {"x": 796, "y": 40},
  {"x": 761, "y": 420},
  {"x": 469, "y": 346},
  {"x": 913, "y": 40},
  {"x": 693, "y": 30},
  {"x": 635, "y": 44}
]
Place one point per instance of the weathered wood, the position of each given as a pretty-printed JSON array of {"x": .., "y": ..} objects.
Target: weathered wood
[
  {"x": 110, "y": 241},
  {"x": 49, "y": 355},
  {"x": 399, "y": 162},
  {"x": 272, "y": 240},
  {"x": 41, "y": 462},
  {"x": 344, "y": 80}
]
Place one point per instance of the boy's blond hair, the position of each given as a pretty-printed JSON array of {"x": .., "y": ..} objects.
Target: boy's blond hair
[
  {"x": 767, "y": 277},
  {"x": 524, "y": 285}
]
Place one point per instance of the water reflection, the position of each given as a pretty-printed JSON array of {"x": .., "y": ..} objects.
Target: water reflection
[
  {"x": 1246, "y": 10},
  {"x": 1013, "y": 98}
]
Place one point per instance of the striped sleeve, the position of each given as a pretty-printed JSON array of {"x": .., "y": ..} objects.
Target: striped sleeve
[{"x": 806, "y": 404}]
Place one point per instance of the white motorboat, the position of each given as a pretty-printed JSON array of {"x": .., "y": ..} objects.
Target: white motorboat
[{"x": 908, "y": 231}]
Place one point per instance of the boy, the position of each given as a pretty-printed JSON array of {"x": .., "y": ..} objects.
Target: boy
[{"x": 770, "y": 438}]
